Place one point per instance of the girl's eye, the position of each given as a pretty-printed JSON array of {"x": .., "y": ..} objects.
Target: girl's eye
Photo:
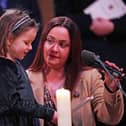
[{"x": 26, "y": 43}]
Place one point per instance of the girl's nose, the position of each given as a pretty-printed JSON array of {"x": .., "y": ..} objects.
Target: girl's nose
[{"x": 30, "y": 47}]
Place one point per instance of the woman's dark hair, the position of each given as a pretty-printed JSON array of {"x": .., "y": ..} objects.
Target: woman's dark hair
[
  {"x": 72, "y": 67},
  {"x": 13, "y": 22}
]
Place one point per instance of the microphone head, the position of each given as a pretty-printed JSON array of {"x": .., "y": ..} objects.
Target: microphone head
[
  {"x": 88, "y": 58},
  {"x": 92, "y": 60}
]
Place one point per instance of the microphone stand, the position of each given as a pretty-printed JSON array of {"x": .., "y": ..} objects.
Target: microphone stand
[{"x": 111, "y": 76}]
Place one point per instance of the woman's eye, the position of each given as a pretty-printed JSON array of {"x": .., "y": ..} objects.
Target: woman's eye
[
  {"x": 50, "y": 41},
  {"x": 64, "y": 44}
]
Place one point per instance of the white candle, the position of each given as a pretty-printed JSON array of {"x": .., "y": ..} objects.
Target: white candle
[{"x": 63, "y": 98}]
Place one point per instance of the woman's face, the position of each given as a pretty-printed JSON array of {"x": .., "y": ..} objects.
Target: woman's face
[{"x": 57, "y": 47}]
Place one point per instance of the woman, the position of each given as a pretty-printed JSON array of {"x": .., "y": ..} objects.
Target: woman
[
  {"x": 18, "y": 106},
  {"x": 57, "y": 64}
]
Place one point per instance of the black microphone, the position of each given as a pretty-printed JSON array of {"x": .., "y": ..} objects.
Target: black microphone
[{"x": 91, "y": 59}]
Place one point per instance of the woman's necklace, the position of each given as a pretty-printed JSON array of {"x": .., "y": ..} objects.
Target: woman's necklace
[{"x": 52, "y": 86}]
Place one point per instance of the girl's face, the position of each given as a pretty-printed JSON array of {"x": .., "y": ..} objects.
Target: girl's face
[
  {"x": 57, "y": 47},
  {"x": 21, "y": 45}
]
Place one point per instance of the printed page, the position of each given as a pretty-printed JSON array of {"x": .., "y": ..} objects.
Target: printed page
[{"x": 108, "y": 9}]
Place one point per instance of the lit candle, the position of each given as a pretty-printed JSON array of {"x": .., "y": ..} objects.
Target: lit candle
[{"x": 63, "y": 98}]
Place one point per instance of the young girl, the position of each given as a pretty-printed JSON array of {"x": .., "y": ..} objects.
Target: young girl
[{"x": 17, "y": 104}]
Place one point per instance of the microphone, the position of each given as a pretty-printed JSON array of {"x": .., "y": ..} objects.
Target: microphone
[{"x": 91, "y": 59}]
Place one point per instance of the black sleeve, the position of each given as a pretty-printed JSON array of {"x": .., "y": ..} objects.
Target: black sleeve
[
  {"x": 119, "y": 27},
  {"x": 12, "y": 102},
  {"x": 119, "y": 24}
]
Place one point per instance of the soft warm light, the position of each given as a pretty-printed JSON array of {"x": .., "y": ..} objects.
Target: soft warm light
[{"x": 63, "y": 98}]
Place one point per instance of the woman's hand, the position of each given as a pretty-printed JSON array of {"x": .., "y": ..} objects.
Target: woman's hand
[
  {"x": 114, "y": 66},
  {"x": 112, "y": 83}
]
